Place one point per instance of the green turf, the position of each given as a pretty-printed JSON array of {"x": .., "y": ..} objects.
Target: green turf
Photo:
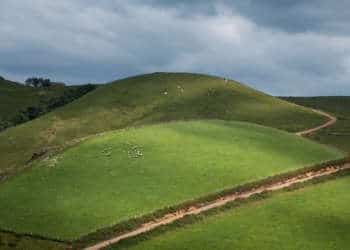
[
  {"x": 9, "y": 241},
  {"x": 148, "y": 99},
  {"x": 114, "y": 177},
  {"x": 339, "y": 134},
  {"x": 314, "y": 218}
]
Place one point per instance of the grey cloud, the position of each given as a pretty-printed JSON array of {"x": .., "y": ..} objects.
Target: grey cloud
[
  {"x": 97, "y": 41},
  {"x": 322, "y": 16}
]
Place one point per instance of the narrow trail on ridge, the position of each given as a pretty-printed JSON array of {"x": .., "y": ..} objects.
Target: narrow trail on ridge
[{"x": 332, "y": 120}]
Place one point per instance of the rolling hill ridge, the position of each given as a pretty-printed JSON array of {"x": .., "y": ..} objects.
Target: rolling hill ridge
[{"x": 146, "y": 99}]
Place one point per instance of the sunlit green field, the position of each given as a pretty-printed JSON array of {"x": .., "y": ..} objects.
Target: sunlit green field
[
  {"x": 317, "y": 217},
  {"x": 120, "y": 175}
]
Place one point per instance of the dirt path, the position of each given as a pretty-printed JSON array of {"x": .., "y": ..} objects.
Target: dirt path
[
  {"x": 332, "y": 120},
  {"x": 171, "y": 217}
]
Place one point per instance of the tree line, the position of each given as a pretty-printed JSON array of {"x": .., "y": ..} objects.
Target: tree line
[
  {"x": 46, "y": 105},
  {"x": 39, "y": 82}
]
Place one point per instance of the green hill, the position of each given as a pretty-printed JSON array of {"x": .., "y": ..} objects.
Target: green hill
[
  {"x": 20, "y": 103},
  {"x": 120, "y": 175},
  {"x": 145, "y": 99},
  {"x": 15, "y": 97}
]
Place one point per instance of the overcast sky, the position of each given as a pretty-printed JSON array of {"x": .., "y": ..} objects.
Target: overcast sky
[{"x": 283, "y": 47}]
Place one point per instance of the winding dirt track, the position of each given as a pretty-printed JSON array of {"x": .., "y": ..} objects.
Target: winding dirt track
[
  {"x": 171, "y": 217},
  {"x": 332, "y": 120}
]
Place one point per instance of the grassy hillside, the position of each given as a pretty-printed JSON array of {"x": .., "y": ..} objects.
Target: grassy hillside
[
  {"x": 119, "y": 175},
  {"x": 339, "y": 134},
  {"x": 15, "y": 97},
  {"x": 20, "y": 104},
  {"x": 148, "y": 99},
  {"x": 316, "y": 217}
]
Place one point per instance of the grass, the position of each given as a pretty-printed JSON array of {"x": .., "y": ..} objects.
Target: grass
[
  {"x": 337, "y": 135},
  {"x": 146, "y": 99},
  {"x": 315, "y": 217},
  {"x": 117, "y": 176},
  {"x": 10, "y": 241},
  {"x": 20, "y": 103},
  {"x": 15, "y": 97},
  {"x": 134, "y": 223}
]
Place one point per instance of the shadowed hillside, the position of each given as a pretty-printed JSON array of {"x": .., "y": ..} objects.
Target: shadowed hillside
[
  {"x": 20, "y": 103},
  {"x": 339, "y": 134},
  {"x": 15, "y": 98}
]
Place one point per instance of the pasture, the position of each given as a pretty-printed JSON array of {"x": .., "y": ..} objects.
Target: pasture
[
  {"x": 120, "y": 175},
  {"x": 315, "y": 217}
]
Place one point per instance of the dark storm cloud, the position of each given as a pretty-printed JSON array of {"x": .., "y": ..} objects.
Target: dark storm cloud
[
  {"x": 324, "y": 16},
  {"x": 294, "y": 48}
]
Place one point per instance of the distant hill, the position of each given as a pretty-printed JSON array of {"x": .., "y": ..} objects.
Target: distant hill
[
  {"x": 20, "y": 103},
  {"x": 145, "y": 99},
  {"x": 339, "y": 134},
  {"x": 15, "y": 97}
]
